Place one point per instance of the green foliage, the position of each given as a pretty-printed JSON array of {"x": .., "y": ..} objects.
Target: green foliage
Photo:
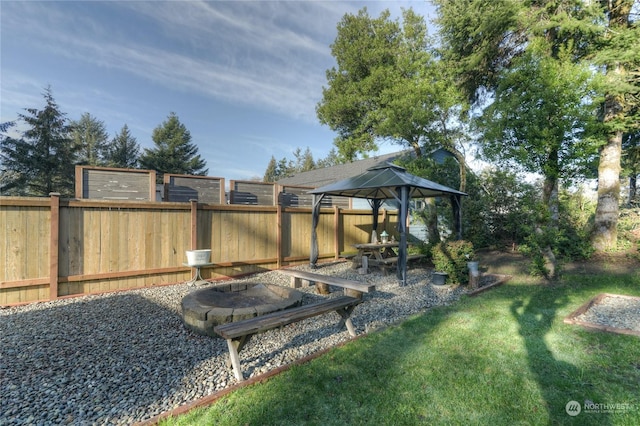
[
  {"x": 539, "y": 116},
  {"x": 174, "y": 152},
  {"x": 284, "y": 168},
  {"x": 629, "y": 231},
  {"x": 272, "y": 173},
  {"x": 631, "y": 163},
  {"x": 91, "y": 139},
  {"x": 452, "y": 257},
  {"x": 123, "y": 151},
  {"x": 576, "y": 220},
  {"x": 570, "y": 240},
  {"x": 43, "y": 159},
  {"x": 498, "y": 211},
  {"x": 389, "y": 85}
]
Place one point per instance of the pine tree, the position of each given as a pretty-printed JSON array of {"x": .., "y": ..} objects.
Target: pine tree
[
  {"x": 43, "y": 159},
  {"x": 303, "y": 160},
  {"x": 271, "y": 174},
  {"x": 124, "y": 150},
  {"x": 91, "y": 138},
  {"x": 174, "y": 152}
]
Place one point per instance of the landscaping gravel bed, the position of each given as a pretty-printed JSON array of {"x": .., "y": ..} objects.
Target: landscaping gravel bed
[
  {"x": 124, "y": 357},
  {"x": 614, "y": 311}
]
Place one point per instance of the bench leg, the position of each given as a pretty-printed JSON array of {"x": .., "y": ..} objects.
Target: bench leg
[
  {"x": 296, "y": 282},
  {"x": 235, "y": 359},
  {"x": 345, "y": 313},
  {"x": 235, "y": 346}
]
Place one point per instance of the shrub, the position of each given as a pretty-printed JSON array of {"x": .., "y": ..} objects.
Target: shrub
[{"x": 452, "y": 257}]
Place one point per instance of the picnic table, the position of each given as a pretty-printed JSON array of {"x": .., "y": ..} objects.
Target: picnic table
[
  {"x": 382, "y": 255},
  {"x": 376, "y": 252}
]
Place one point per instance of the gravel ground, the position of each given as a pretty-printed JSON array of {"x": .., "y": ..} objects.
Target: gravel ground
[
  {"x": 125, "y": 357},
  {"x": 614, "y": 311}
]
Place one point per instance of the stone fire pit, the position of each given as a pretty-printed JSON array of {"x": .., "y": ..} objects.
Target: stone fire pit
[{"x": 203, "y": 309}]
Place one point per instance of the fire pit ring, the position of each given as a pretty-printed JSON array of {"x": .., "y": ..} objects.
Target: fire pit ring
[{"x": 203, "y": 309}]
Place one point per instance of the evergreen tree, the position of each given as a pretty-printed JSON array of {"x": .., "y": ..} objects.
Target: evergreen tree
[
  {"x": 91, "y": 139},
  {"x": 271, "y": 174},
  {"x": 303, "y": 160},
  {"x": 174, "y": 152},
  {"x": 43, "y": 159},
  {"x": 331, "y": 159},
  {"x": 124, "y": 150}
]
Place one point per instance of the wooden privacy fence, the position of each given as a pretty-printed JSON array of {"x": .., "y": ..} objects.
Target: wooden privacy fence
[{"x": 52, "y": 247}]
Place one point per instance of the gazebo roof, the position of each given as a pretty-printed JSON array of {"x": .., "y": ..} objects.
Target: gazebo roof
[{"x": 380, "y": 183}]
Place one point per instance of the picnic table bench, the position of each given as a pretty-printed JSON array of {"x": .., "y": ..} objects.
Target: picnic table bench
[{"x": 238, "y": 333}]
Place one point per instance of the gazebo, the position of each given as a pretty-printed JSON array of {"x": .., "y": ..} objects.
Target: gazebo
[{"x": 386, "y": 182}]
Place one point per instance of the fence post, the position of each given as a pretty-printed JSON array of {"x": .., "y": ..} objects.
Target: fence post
[
  {"x": 279, "y": 237},
  {"x": 194, "y": 224},
  {"x": 336, "y": 231},
  {"x": 54, "y": 240}
]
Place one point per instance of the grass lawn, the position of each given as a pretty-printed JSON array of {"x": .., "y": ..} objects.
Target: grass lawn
[{"x": 504, "y": 357}]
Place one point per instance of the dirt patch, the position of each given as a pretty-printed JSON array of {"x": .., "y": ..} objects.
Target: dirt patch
[{"x": 513, "y": 263}]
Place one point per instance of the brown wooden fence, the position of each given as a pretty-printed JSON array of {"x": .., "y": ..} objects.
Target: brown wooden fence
[{"x": 52, "y": 248}]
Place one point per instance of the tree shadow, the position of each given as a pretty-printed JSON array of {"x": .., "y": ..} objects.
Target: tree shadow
[{"x": 535, "y": 318}]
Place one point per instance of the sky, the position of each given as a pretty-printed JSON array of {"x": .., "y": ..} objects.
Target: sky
[{"x": 244, "y": 77}]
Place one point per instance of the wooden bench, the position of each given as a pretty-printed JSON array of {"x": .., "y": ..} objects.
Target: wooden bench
[
  {"x": 238, "y": 333},
  {"x": 351, "y": 288}
]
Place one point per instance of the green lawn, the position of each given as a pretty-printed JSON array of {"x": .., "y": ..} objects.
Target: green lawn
[{"x": 504, "y": 357}]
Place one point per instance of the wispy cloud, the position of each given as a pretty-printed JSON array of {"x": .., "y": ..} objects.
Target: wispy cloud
[{"x": 265, "y": 54}]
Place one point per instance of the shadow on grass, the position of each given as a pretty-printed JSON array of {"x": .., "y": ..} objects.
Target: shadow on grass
[{"x": 562, "y": 385}]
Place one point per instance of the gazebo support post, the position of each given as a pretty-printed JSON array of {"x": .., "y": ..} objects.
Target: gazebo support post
[
  {"x": 402, "y": 229},
  {"x": 375, "y": 207}
]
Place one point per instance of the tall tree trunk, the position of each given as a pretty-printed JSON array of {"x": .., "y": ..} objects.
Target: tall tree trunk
[
  {"x": 633, "y": 185},
  {"x": 550, "y": 200},
  {"x": 605, "y": 232}
]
